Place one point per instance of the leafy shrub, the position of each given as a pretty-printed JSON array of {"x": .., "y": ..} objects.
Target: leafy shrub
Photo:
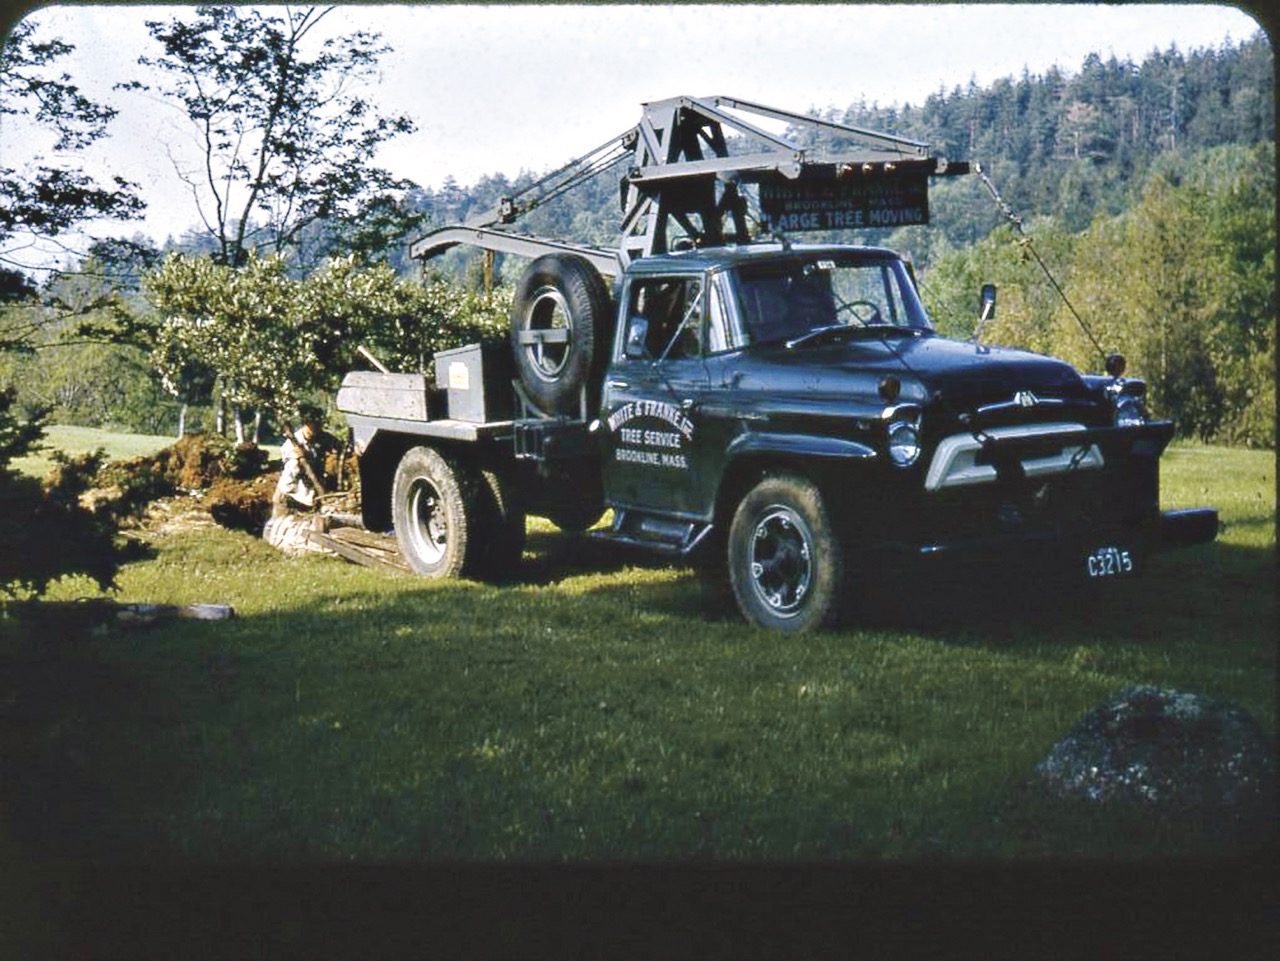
[
  {"x": 73, "y": 475},
  {"x": 45, "y": 532},
  {"x": 46, "y": 539}
]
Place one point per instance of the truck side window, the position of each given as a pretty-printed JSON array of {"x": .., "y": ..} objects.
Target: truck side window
[{"x": 673, "y": 309}]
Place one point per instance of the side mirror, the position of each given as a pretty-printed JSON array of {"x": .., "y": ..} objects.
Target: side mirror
[
  {"x": 637, "y": 334},
  {"x": 988, "y": 309},
  {"x": 988, "y": 302}
]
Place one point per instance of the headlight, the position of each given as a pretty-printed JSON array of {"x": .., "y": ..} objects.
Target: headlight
[
  {"x": 1128, "y": 402},
  {"x": 1129, "y": 412},
  {"x": 904, "y": 444}
]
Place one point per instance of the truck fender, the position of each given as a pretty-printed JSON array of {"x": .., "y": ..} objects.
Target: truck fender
[
  {"x": 379, "y": 454},
  {"x": 749, "y": 451}
]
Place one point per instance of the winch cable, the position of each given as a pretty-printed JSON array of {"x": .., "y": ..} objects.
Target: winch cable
[
  {"x": 1029, "y": 245},
  {"x": 576, "y": 171},
  {"x": 597, "y": 166}
]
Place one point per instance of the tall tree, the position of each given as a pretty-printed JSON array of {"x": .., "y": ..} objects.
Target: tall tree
[
  {"x": 285, "y": 140},
  {"x": 46, "y": 197},
  {"x": 275, "y": 340},
  {"x": 45, "y": 535}
]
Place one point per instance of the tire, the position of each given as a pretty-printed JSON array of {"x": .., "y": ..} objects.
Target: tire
[
  {"x": 786, "y": 565},
  {"x": 559, "y": 332},
  {"x": 501, "y": 526},
  {"x": 435, "y": 512}
]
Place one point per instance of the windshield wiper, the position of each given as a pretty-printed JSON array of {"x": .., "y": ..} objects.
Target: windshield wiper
[
  {"x": 818, "y": 333},
  {"x": 828, "y": 332},
  {"x": 894, "y": 329}
]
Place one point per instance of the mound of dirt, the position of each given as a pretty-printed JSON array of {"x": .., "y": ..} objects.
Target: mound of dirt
[
  {"x": 199, "y": 479},
  {"x": 242, "y": 504}
]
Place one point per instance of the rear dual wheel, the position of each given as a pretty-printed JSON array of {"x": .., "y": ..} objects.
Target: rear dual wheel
[
  {"x": 501, "y": 522},
  {"x": 454, "y": 521}
]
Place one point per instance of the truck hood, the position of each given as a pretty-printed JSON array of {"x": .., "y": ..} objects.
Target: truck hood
[
  {"x": 957, "y": 371},
  {"x": 951, "y": 372}
]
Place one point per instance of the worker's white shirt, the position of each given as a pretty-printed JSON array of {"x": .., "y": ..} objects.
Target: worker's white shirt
[{"x": 293, "y": 481}]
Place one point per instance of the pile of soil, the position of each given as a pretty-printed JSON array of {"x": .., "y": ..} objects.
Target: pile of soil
[
  {"x": 241, "y": 504},
  {"x": 203, "y": 473},
  {"x": 200, "y": 474}
]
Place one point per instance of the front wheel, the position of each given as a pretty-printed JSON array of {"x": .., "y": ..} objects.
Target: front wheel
[{"x": 785, "y": 562}]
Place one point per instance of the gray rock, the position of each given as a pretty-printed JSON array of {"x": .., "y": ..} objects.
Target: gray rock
[{"x": 1167, "y": 750}]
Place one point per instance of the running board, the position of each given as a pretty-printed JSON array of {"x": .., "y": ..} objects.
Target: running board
[{"x": 660, "y": 535}]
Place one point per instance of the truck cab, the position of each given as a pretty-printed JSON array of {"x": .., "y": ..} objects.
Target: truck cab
[
  {"x": 713, "y": 362},
  {"x": 814, "y": 373}
]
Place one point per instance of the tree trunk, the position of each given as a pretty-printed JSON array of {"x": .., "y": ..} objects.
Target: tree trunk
[
  {"x": 220, "y": 411},
  {"x": 238, "y": 419},
  {"x": 257, "y": 427},
  {"x": 182, "y": 421}
]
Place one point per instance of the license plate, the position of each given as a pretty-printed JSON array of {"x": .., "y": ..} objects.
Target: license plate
[{"x": 1109, "y": 562}]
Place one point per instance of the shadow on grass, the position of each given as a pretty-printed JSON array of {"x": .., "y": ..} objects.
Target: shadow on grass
[
  {"x": 64, "y": 799},
  {"x": 551, "y": 557},
  {"x": 1195, "y": 593},
  {"x": 105, "y": 733}
]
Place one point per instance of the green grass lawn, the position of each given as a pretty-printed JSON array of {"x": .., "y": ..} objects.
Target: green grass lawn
[
  {"x": 594, "y": 711},
  {"x": 84, "y": 440}
]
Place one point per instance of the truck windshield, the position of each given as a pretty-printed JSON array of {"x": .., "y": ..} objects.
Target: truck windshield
[{"x": 786, "y": 299}]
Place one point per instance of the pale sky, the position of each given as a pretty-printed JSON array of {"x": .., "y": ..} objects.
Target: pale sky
[{"x": 500, "y": 88}]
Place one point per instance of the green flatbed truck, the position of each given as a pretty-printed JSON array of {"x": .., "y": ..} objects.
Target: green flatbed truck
[{"x": 782, "y": 415}]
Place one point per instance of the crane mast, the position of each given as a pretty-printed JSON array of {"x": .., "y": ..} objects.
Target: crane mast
[{"x": 698, "y": 165}]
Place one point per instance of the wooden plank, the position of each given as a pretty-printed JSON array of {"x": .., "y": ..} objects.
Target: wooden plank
[
  {"x": 365, "y": 538},
  {"x": 150, "y": 613},
  {"x": 362, "y": 547},
  {"x": 95, "y": 611}
]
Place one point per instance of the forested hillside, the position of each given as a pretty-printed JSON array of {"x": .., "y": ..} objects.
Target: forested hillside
[{"x": 1076, "y": 146}]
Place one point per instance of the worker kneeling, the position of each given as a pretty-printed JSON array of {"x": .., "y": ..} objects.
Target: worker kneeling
[{"x": 294, "y": 514}]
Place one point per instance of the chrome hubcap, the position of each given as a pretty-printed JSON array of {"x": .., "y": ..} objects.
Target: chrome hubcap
[
  {"x": 782, "y": 560},
  {"x": 429, "y": 532}
]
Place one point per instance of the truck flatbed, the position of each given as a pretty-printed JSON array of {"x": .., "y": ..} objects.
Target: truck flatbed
[{"x": 443, "y": 429}]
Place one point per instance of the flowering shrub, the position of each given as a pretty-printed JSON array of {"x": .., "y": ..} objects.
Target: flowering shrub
[{"x": 275, "y": 339}]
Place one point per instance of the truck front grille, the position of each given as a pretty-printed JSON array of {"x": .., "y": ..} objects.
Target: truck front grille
[{"x": 964, "y": 459}]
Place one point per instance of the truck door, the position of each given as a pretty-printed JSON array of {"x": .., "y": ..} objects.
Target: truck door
[{"x": 653, "y": 460}]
